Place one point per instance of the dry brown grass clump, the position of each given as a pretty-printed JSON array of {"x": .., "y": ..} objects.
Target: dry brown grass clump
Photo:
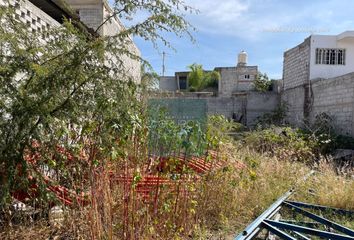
[{"x": 230, "y": 199}]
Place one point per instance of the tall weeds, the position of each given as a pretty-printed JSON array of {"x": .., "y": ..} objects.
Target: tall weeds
[{"x": 219, "y": 203}]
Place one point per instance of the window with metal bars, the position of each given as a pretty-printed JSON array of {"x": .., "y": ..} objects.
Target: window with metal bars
[{"x": 330, "y": 56}]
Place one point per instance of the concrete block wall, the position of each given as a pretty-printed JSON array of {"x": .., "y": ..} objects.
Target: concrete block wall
[
  {"x": 259, "y": 104},
  {"x": 295, "y": 66},
  {"x": 112, "y": 28},
  {"x": 227, "y": 82},
  {"x": 294, "y": 98},
  {"x": 93, "y": 13},
  {"x": 168, "y": 83},
  {"x": 224, "y": 106},
  {"x": 233, "y": 79},
  {"x": 243, "y": 83},
  {"x": 247, "y": 107},
  {"x": 335, "y": 96}
]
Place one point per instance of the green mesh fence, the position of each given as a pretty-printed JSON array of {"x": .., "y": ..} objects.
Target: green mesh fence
[{"x": 177, "y": 126}]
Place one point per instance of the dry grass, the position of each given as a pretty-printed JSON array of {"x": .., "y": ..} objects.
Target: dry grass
[
  {"x": 218, "y": 207},
  {"x": 234, "y": 198}
]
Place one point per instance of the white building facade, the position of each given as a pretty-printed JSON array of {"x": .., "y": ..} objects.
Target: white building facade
[
  {"x": 318, "y": 78},
  {"x": 319, "y": 56},
  {"x": 331, "y": 56}
]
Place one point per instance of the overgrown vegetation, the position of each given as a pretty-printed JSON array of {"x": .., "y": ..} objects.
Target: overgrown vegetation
[
  {"x": 199, "y": 79},
  {"x": 222, "y": 202},
  {"x": 72, "y": 89},
  {"x": 262, "y": 82},
  {"x": 68, "y": 119}
]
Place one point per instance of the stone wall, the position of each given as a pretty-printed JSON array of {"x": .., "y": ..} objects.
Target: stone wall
[
  {"x": 295, "y": 66},
  {"x": 334, "y": 96}
]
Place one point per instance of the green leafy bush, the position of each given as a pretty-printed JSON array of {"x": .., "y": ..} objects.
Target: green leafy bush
[
  {"x": 323, "y": 132},
  {"x": 262, "y": 82},
  {"x": 199, "y": 79},
  {"x": 219, "y": 127},
  {"x": 283, "y": 142}
]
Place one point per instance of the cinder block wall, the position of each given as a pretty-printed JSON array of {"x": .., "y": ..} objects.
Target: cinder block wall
[
  {"x": 246, "y": 107},
  {"x": 233, "y": 79},
  {"x": 224, "y": 106},
  {"x": 259, "y": 104},
  {"x": 335, "y": 96},
  {"x": 34, "y": 17},
  {"x": 93, "y": 13},
  {"x": 294, "y": 98},
  {"x": 295, "y": 76},
  {"x": 227, "y": 82},
  {"x": 295, "y": 66}
]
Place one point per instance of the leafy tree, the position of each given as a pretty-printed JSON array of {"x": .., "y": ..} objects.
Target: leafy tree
[
  {"x": 212, "y": 79},
  {"x": 262, "y": 82},
  {"x": 196, "y": 76},
  {"x": 149, "y": 79},
  {"x": 199, "y": 79},
  {"x": 72, "y": 89}
]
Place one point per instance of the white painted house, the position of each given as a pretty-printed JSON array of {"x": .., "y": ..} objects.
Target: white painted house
[
  {"x": 332, "y": 56},
  {"x": 318, "y": 78},
  {"x": 319, "y": 56}
]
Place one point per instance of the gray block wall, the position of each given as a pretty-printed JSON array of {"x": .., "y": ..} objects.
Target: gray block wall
[
  {"x": 226, "y": 106},
  {"x": 295, "y": 65},
  {"x": 233, "y": 79},
  {"x": 168, "y": 83},
  {"x": 93, "y": 13},
  {"x": 34, "y": 17},
  {"x": 334, "y": 96},
  {"x": 259, "y": 104},
  {"x": 246, "y": 107},
  {"x": 294, "y": 98}
]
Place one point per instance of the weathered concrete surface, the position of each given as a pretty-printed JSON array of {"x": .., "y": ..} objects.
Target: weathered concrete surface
[
  {"x": 295, "y": 65},
  {"x": 260, "y": 103},
  {"x": 168, "y": 83},
  {"x": 243, "y": 107},
  {"x": 234, "y": 79},
  {"x": 334, "y": 96}
]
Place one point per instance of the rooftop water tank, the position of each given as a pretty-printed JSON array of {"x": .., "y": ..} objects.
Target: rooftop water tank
[{"x": 242, "y": 58}]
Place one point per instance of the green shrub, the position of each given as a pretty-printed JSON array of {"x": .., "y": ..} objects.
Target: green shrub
[
  {"x": 344, "y": 142},
  {"x": 283, "y": 142},
  {"x": 199, "y": 79},
  {"x": 262, "y": 82},
  {"x": 219, "y": 127}
]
